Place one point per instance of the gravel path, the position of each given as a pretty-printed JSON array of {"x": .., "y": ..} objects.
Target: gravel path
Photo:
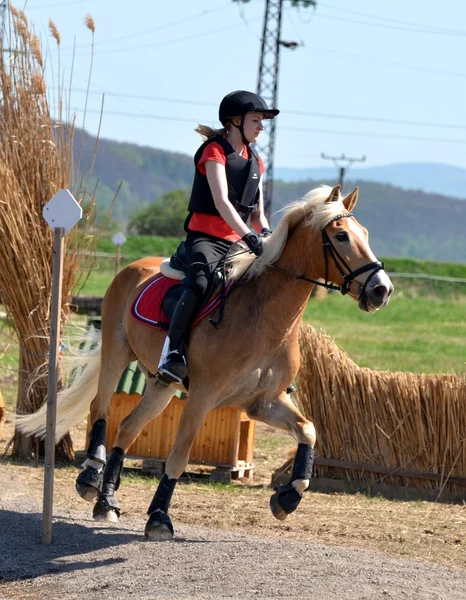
[{"x": 94, "y": 560}]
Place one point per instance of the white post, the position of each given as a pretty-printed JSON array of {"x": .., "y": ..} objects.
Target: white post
[
  {"x": 62, "y": 213},
  {"x": 55, "y": 321},
  {"x": 118, "y": 240}
]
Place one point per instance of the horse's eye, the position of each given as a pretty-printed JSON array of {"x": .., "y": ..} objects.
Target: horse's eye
[{"x": 342, "y": 236}]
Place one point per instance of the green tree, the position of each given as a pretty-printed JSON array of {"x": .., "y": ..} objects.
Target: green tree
[{"x": 164, "y": 217}]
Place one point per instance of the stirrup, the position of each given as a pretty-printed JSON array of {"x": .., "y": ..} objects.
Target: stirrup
[{"x": 174, "y": 367}]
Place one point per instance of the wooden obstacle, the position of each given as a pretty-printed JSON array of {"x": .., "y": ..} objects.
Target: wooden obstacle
[{"x": 225, "y": 441}]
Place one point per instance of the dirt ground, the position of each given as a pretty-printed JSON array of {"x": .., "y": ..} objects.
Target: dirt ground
[{"x": 227, "y": 544}]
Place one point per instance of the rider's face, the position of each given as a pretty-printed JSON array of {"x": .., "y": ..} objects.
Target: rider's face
[{"x": 253, "y": 126}]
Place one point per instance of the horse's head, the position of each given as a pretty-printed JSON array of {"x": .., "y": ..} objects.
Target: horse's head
[
  {"x": 348, "y": 260},
  {"x": 319, "y": 238}
]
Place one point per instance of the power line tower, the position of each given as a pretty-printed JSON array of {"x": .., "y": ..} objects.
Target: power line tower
[
  {"x": 267, "y": 82},
  {"x": 342, "y": 168}
]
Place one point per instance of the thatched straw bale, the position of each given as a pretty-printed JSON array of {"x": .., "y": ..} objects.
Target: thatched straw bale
[
  {"x": 36, "y": 160},
  {"x": 402, "y": 422}
]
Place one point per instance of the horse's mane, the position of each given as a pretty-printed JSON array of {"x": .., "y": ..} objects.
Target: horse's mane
[{"x": 312, "y": 210}]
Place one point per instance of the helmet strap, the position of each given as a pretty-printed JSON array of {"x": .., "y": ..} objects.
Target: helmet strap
[{"x": 241, "y": 129}]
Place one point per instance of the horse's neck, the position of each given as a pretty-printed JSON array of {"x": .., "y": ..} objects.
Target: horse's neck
[{"x": 284, "y": 296}]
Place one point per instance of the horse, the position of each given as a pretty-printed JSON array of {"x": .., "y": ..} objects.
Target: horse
[{"x": 248, "y": 361}]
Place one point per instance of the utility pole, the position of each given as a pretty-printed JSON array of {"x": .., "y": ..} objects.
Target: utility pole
[
  {"x": 267, "y": 83},
  {"x": 342, "y": 168}
]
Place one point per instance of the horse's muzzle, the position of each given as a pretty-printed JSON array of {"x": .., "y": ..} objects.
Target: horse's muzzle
[{"x": 377, "y": 293}]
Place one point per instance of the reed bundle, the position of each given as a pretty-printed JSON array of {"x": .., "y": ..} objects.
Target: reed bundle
[
  {"x": 36, "y": 160},
  {"x": 404, "y": 422}
]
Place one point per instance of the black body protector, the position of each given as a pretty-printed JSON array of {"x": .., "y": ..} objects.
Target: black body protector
[{"x": 243, "y": 177}]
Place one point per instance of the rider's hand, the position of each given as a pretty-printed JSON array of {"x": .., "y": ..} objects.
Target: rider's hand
[
  {"x": 265, "y": 232},
  {"x": 254, "y": 243}
]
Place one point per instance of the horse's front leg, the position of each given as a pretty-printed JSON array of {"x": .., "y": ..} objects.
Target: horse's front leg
[
  {"x": 283, "y": 414},
  {"x": 159, "y": 526},
  {"x": 89, "y": 481},
  {"x": 156, "y": 397}
]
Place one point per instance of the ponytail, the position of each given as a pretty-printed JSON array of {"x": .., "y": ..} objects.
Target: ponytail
[{"x": 206, "y": 132}]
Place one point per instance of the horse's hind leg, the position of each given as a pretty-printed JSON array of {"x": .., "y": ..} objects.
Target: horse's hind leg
[
  {"x": 116, "y": 354},
  {"x": 159, "y": 526},
  {"x": 283, "y": 414},
  {"x": 155, "y": 399}
]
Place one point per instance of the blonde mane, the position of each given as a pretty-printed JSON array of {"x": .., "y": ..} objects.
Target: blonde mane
[{"x": 312, "y": 210}]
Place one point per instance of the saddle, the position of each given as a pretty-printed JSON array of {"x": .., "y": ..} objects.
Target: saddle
[
  {"x": 176, "y": 267},
  {"x": 156, "y": 303}
]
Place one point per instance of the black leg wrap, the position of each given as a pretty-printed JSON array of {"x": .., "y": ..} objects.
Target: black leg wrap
[
  {"x": 90, "y": 477},
  {"x": 159, "y": 520},
  {"x": 112, "y": 472},
  {"x": 288, "y": 496},
  {"x": 105, "y": 504},
  {"x": 163, "y": 495},
  {"x": 96, "y": 449},
  {"x": 303, "y": 462}
]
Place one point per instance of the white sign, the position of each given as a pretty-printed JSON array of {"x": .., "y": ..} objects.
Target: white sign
[
  {"x": 62, "y": 211},
  {"x": 119, "y": 239}
]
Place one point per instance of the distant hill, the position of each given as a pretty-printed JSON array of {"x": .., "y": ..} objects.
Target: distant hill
[
  {"x": 429, "y": 177},
  {"x": 402, "y": 222}
]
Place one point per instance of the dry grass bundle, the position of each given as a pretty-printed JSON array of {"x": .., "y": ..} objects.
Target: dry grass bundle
[
  {"x": 36, "y": 154},
  {"x": 407, "y": 424}
]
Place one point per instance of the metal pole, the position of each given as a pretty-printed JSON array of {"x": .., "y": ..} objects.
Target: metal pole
[
  {"x": 118, "y": 260},
  {"x": 55, "y": 320},
  {"x": 342, "y": 168},
  {"x": 267, "y": 86}
]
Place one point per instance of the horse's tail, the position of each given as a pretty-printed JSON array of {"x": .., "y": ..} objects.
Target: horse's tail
[{"x": 73, "y": 401}]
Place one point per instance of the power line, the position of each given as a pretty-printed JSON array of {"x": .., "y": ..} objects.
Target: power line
[
  {"x": 285, "y": 111},
  {"x": 387, "y": 19},
  {"x": 382, "y": 61},
  {"x": 297, "y": 129},
  {"x": 56, "y": 5},
  {"x": 173, "y": 40},
  {"x": 383, "y": 26},
  {"x": 342, "y": 168},
  {"x": 154, "y": 29}
]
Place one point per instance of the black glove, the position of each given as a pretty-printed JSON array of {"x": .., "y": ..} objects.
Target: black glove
[
  {"x": 265, "y": 232},
  {"x": 254, "y": 243}
]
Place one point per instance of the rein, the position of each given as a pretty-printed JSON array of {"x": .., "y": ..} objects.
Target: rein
[{"x": 344, "y": 269}]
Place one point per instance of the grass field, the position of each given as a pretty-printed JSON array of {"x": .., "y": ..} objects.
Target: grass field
[{"x": 423, "y": 330}]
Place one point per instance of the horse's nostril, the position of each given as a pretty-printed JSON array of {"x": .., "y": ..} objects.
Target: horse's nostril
[{"x": 381, "y": 291}]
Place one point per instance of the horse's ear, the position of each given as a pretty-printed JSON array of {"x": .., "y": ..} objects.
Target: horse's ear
[
  {"x": 351, "y": 199},
  {"x": 334, "y": 194}
]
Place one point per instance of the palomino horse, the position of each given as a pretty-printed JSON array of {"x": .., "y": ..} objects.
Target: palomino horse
[{"x": 248, "y": 361}]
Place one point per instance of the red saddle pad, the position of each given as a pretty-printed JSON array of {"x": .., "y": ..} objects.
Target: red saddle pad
[{"x": 147, "y": 307}]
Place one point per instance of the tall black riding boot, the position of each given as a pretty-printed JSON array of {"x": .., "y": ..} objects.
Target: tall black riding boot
[{"x": 173, "y": 362}]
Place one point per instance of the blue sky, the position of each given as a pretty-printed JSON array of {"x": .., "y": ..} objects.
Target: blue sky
[{"x": 360, "y": 63}]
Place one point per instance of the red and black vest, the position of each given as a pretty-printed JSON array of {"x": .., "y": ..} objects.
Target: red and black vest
[{"x": 243, "y": 177}]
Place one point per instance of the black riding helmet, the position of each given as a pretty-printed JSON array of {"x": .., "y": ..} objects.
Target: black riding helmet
[{"x": 238, "y": 104}]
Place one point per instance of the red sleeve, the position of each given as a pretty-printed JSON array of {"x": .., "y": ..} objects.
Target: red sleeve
[
  {"x": 211, "y": 152},
  {"x": 261, "y": 166}
]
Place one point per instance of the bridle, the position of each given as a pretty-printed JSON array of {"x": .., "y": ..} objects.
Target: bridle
[{"x": 344, "y": 269}]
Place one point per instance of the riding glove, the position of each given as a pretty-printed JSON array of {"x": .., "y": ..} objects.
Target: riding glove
[
  {"x": 254, "y": 243},
  {"x": 265, "y": 232}
]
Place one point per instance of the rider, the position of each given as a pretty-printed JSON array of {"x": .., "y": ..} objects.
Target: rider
[{"x": 226, "y": 194}]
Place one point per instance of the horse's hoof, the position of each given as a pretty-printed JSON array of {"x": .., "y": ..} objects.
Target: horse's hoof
[
  {"x": 106, "y": 509},
  {"x": 109, "y": 517},
  {"x": 89, "y": 484},
  {"x": 276, "y": 509},
  {"x": 159, "y": 527}
]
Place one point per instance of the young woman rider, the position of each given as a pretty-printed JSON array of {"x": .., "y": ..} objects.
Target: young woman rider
[{"x": 226, "y": 195}]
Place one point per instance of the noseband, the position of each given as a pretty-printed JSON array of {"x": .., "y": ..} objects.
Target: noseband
[{"x": 344, "y": 269}]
